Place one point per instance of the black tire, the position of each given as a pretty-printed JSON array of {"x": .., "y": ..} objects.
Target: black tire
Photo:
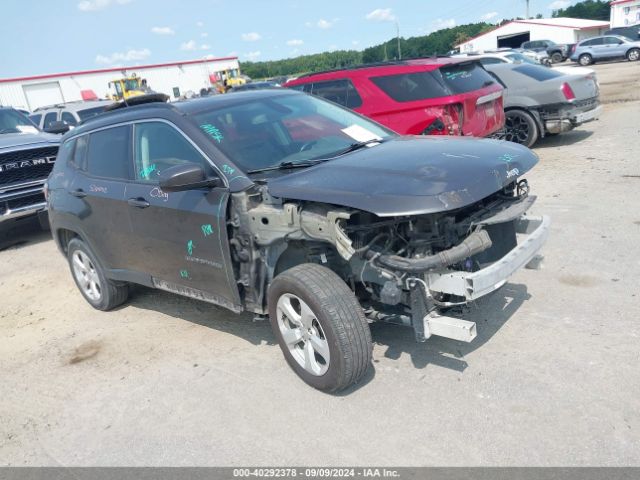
[
  {"x": 633, "y": 55},
  {"x": 341, "y": 319},
  {"x": 520, "y": 127},
  {"x": 111, "y": 294},
  {"x": 585, "y": 59},
  {"x": 556, "y": 57}
]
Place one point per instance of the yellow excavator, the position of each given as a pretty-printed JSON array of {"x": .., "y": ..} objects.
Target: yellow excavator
[{"x": 127, "y": 87}]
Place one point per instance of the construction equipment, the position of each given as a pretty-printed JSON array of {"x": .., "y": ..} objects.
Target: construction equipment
[
  {"x": 225, "y": 79},
  {"x": 127, "y": 87}
]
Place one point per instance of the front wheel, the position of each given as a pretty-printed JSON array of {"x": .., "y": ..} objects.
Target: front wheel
[
  {"x": 520, "y": 127},
  {"x": 633, "y": 55},
  {"x": 320, "y": 327}
]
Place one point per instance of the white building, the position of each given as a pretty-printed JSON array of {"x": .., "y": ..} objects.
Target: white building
[
  {"x": 173, "y": 79},
  {"x": 514, "y": 33},
  {"x": 625, "y": 13}
]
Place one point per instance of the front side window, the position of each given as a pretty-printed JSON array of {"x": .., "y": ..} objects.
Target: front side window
[
  {"x": 49, "y": 118},
  {"x": 612, "y": 41},
  {"x": 68, "y": 118},
  {"x": 341, "y": 92},
  {"x": 296, "y": 128},
  {"x": 109, "y": 153},
  {"x": 159, "y": 146}
]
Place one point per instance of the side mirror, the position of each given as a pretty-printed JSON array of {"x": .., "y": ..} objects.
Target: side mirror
[
  {"x": 186, "y": 177},
  {"x": 57, "y": 127}
]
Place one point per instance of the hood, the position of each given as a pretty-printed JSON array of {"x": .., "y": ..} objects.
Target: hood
[
  {"x": 10, "y": 140},
  {"x": 410, "y": 175}
]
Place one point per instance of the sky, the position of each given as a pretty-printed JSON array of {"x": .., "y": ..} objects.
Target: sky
[{"x": 39, "y": 37}]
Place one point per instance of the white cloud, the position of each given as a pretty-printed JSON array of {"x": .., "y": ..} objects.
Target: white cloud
[
  {"x": 441, "y": 23},
  {"x": 205, "y": 46},
  {"x": 558, "y": 4},
  {"x": 324, "y": 24},
  {"x": 355, "y": 42},
  {"x": 381, "y": 15},
  {"x": 253, "y": 55},
  {"x": 93, "y": 5},
  {"x": 232, "y": 53},
  {"x": 251, "y": 37},
  {"x": 127, "y": 56},
  {"x": 488, "y": 16},
  {"x": 294, "y": 42},
  {"x": 189, "y": 46},
  {"x": 199, "y": 24},
  {"x": 163, "y": 31}
]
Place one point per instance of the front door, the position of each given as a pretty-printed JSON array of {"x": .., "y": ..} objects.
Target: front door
[{"x": 180, "y": 238}]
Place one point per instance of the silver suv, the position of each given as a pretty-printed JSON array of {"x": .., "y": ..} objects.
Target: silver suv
[{"x": 71, "y": 114}]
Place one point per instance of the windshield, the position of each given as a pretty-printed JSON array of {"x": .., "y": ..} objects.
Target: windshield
[
  {"x": 268, "y": 131},
  {"x": 519, "y": 58},
  {"x": 13, "y": 122},
  {"x": 131, "y": 84},
  {"x": 90, "y": 112}
]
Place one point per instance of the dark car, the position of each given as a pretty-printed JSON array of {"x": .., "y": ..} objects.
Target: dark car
[
  {"x": 429, "y": 96},
  {"x": 557, "y": 52},
  {"x": 254, "y": 86},
  {"x": 541, "y": 101},
  {"x": 282, "y": 204},
  {"x": 27, "y": 156}
]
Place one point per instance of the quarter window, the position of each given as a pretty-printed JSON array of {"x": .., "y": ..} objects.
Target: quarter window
[
  {"x": 80, "y": 153},
  {"x": 341, "y": 92},
  {"x": 159, "y": 146},
  {"x": 109, "y": 153}
]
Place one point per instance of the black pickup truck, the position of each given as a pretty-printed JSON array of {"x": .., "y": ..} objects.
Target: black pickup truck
[
  {"x": 557, "y": 52},
  {"x": 27, "y": 156}
]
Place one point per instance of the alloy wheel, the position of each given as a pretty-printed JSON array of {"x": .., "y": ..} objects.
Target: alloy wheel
[
  {"x": 303, "y": 334},
  {"x": 517, "y": 129},
  {"x": 86, "y": 275}
]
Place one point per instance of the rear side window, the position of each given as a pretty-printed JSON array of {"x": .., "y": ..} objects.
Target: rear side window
[
  {"x": 109, "y": 153},
  {"x": 49, "y": 118},
  {"x": 90, "y": 112},
  {"x": 68, "y": 118},
  {"x": 537, "y": 72},
  {"x": 465, "y": 77},
  {"x": 341, "y": 92},
  {"x": 591, "y": 43},
  {"x": 409, "y": 87},
  {"x": 491, "y": 61}
]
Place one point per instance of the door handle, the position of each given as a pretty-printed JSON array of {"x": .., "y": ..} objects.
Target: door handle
[
  {"x": 138, "y": 202},
  {"x": 79, "y": 193}
]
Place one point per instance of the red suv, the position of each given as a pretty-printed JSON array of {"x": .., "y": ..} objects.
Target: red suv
[{"x": 434, "y": 96}]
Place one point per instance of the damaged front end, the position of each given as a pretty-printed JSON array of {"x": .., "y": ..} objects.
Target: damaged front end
[{"x": 403, "y": 269}]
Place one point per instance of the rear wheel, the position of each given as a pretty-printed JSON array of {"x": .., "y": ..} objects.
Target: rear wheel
[
  {"x": 98, "y": 290},
  {"x": 520, "y": 127},
  {"x": 585, "y": 59},
  {"x": 633, "y": 55},
  {"x": 556, "y": 57},
  {"x": 320, "y": 327}
]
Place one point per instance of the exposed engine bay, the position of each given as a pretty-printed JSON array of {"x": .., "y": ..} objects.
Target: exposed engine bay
[{"x": 403, "y": 269}]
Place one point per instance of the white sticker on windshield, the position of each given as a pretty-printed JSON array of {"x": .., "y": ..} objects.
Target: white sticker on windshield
[
  {"x": 360, "y": 134},
  {"x": 26, "y": 129}
]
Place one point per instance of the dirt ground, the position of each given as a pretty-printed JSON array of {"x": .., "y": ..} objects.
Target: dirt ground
[{"x": 551, "y": 379}]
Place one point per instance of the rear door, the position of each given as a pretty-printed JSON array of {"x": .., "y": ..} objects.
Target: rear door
[
  {"x": 100, "y": 186},
  {"x": 179, "y": 238},
  {"x": 596, "y": 48}
]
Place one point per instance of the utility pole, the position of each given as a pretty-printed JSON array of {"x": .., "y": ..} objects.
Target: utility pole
[
  {"x": 527, "y": 17},
  {"x": 398, "y": 38}
]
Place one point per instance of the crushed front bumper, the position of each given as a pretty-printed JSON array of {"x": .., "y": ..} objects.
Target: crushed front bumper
[{"x": 532, "y": 235}]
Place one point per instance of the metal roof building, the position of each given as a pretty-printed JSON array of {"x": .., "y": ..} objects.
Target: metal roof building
[
  {"x": 173, "y": 79},
  {"x": 514, "y": 33}
]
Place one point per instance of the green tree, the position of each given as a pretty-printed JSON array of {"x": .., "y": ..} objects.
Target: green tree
[{"x": 589, "y": 9}]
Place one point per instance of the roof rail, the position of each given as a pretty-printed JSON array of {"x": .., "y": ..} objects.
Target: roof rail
[
  {"x": 356, "y": 67},
  {"x": 138, "y": 100}
]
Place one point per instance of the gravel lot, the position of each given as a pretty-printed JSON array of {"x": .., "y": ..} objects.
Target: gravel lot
[{"x": 552, "y": 378}]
